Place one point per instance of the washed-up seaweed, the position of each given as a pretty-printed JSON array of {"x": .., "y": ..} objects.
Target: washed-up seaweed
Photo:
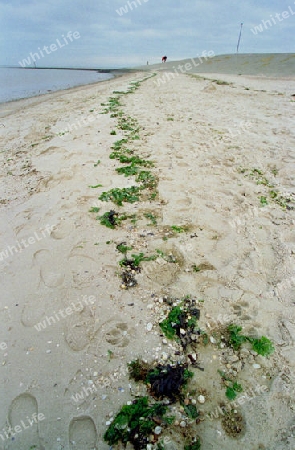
[
  {"x": 181, "y": 323},
  {"x": 128, "y": 279},
  {"x": 162, "y": 380},
  {"x": 168, "y": 381},
  {"x": 135, "y": 423}
]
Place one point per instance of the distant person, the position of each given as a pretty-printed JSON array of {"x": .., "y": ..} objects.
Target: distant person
[{"x": 164, "y": 59}]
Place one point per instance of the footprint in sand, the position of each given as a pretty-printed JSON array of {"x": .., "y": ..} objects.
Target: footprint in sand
[
  {"x": 52, "y": 151},
  {"x": 54, "y": 180},
  {"x": 74, "y": 391},
  {"x": 83, "y": 434},
  {"x": 39, "y": 303},
  {"x": 80, "y": 329},
  {"x": 84, "y": 388},
  {"x": 23, "y": 414},
  {"x": 118, "y": 335},
  {"x": 33, "y": 311},
  {"x": 84, "y": 269},
  {"x": 163, "y": 272},
  {"x": 62, "y": 230},
  {"x": 48, "y": 274}
]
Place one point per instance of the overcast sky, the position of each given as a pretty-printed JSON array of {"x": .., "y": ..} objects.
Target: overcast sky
[{"x": 176, "y": 28}]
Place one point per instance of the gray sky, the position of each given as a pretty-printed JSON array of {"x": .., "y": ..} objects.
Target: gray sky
[{"x": 176, "y": 28}]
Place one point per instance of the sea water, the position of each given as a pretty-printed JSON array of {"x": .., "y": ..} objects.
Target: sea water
[{"x": 17, "y": 83}]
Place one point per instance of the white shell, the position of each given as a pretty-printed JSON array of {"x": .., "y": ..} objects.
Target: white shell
[{"x": 201, "y": 399}]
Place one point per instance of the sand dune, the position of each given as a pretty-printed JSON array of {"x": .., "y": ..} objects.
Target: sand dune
[{"x": 265, "y": 64}]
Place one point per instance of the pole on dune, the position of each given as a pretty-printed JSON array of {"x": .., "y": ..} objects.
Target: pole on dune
[{"x": 239, "y": 40}]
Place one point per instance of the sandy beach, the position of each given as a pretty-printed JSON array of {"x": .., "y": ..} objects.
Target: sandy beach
[{"x": 219, "y": 217}]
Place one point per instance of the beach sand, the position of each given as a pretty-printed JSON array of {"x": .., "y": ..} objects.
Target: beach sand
[{"x": 224, "y": 157}]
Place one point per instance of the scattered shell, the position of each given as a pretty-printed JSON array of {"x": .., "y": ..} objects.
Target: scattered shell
[
  {"x": 212, "y": 340},
  {"x": 201, "y": 399},
  {"x": 158, "y": 430},
  {"x": 194, "y": 401},
  {"x": 182, "y": 331},
  {"x": 164, "y": 356},
  {"x": 182, "y": 424},
  {"x": 256, "y": 366},
  {"x": 149, "y": 326}
]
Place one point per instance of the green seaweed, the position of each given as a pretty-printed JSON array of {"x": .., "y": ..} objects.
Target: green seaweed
[
  {"x": 118, "y": 196},
  {"x": 263, "y": 200},
  {"x": 128, "y": 170},
  {"x": 123, "y": 248},
  {"x": 191, "y": 411},
  {"x": 111, "y": 219},
  {"x": 235, "y": 338},
  {"x": 168, "y": 324},
  {"x": 194, "y": 445},
  {"x": 118, "y": 144},
  {"x": 177, "y": 229},
  {"x": 262, "y": 346},
  {"x": 232, "y": 391},
  {"x": 148, "y": 180},
  {"x": 152, "y": 218},
  {"x": 137, "y": 259},
  {"x": 134, "y": 423},
  {"x": 232, "y": 387},
  {"x": 94, "y": 209}
]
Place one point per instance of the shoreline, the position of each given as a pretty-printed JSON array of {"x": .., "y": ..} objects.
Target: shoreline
[{"x": 36, "y": 99}]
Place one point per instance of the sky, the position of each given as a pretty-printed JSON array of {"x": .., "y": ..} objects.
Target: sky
[{"x": 100, "y": 34}]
